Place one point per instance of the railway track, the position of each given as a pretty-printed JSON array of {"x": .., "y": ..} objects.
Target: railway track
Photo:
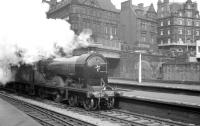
[
  {"x": 124, "y": 118},
  {"x": 133, "y": 119},
  {"x": 42, "y": 115},
  {"x": 117, "y": 116}
]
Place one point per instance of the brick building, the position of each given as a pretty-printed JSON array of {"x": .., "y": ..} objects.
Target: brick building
[
  {"x": 138, "y": 26},
  {"x": 178, "y": 27},
  {"x": 133, "y": 26},
  {"x": 100, "y": 16}
]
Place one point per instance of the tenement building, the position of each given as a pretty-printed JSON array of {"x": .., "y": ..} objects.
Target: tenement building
[
  {"x": 138, "y": 26},
  {"x": 178, "y": 27},
  {"x": 100, "y": 16}
]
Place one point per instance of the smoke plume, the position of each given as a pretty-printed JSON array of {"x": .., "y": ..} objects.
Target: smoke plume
[{"x": 26, "y": 35}]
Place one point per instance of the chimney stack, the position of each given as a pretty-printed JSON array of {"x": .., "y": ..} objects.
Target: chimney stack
[{"x": 141, "y": 5}]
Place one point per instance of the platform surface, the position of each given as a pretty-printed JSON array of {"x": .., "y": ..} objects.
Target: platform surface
[
  {"x": 174, "y": 99},
  {"x": 11, "y": 116},
  {"x": 164, "y": 85},
  {"x": 169, "y": 98}
]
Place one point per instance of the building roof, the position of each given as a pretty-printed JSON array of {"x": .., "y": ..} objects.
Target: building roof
[
  {"x": 175, "y": 6},
  {"x": 107, "y": 5},
  {"x": 143, "y": 10},
  {"x": 103, "y": 4}
]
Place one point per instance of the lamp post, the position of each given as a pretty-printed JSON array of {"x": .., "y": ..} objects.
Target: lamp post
[
  {"x": 140, "y": 68},
  {"x": 140, "y": 65}
]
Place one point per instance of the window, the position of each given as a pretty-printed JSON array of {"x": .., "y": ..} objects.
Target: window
[
  {"x": 153, "y": 28},
  {"x": 169, "y": 40},
  {"x": 197, "y": 33},
  {"x": 161, "y": 32},
  {"x": 180, "y": 40},
  {"x": 168, "y": 32},
  {"x": 143, "y": 25},
  {"x": 189, "y": 6},
  {"x": 180, "y": 14},
  {"x": 162, "y": 8},
  {"x": 189, "y": 22},
  {"x": 114, "y": 31},
  {"x": 161, "y": 23},
  {"x": 168, "y": 22},
  {"x": 180, "y": 21},
  {"x": 197, "y": 16},
  {"x": 196, "y": 23},
  {"x": 199, "y": 48},
  {"x": 188, "y": 41},
  {"x": 143, "y": 39},
  {"x": 161, "y": 42},
  {"x": 152, "y": 40},
  {"x": 189, "y": 14},
  {"x": 180, "y": 31},
  {"x": 189, "y": 32},
  {"x": 106, "y": 30}
]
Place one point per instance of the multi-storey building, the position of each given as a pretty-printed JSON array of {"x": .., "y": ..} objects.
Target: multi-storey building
[
  {"x": 178, "y": 27},
  {"x": 138, "y": 26},
  {"x": 100, "y": 16}
]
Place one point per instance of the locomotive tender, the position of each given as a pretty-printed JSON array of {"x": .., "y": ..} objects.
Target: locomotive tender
[{"x": 82, "y": 80}]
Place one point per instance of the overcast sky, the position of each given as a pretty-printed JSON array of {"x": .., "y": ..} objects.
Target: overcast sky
[{"x": 148, "y": 2}]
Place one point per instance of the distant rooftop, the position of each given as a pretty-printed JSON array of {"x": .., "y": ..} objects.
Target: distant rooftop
[
  {"x": 103, "y": 4},
  {"x": 143, "y": 9}
]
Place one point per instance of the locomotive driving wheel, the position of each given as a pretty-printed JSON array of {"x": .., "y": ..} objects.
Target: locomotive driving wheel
[
  {"x": 41, "y": 93},
  {"x": 30, "y": 89},
  {"x": 73, "y": 100},
  {"x": 90, "y": 104},
  {"x": 57, "y": 97},
  {"x": 110, "y": 103}
]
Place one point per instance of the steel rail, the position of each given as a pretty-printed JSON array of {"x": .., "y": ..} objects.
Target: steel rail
[{"x": 44, "y": 116}]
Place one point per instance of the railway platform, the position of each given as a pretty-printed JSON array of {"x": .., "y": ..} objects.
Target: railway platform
[
  {"x": 178, "y": 106},
  {"x": 193, "y": 87},
  {"x": 162, "y": 97},
  {"x": 11, "y": 116},
  {"x": 166, "y": 98}
]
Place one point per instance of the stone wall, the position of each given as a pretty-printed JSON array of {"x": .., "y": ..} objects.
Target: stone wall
[
  {"x": 127, "y": 67},
  {"x": 185, "y": 72}
]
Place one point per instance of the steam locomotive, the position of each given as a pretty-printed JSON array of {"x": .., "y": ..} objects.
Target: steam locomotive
[{"x": 81, "y": 80}]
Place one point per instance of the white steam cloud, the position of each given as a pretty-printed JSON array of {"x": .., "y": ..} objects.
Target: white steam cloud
[{"x": 25, "y": 30}]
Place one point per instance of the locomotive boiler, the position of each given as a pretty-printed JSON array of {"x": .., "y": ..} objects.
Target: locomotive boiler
[{"x": 82, "y": 80}]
